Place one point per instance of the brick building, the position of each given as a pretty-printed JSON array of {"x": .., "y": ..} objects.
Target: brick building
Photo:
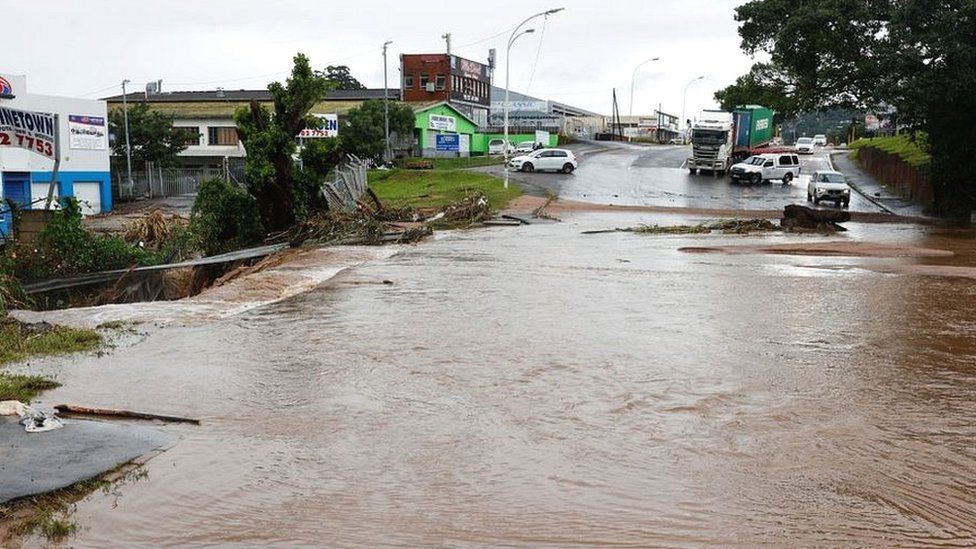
[{"x": 463, "y": 83}]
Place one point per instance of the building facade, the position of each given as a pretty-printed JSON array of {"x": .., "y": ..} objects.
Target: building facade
[
  {"x": 659, "y": 126},
  {"x": 25, "y": 175},
  {"x": 528, "y": 114},
  {"x": 435, "y": 77}
]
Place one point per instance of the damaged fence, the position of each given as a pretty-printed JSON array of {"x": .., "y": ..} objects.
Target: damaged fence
[{"x": 348, "y": 186}]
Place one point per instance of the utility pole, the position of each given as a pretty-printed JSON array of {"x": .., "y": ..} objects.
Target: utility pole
[
  {"x": 128, "y": 148},
  {"x": 386, "y": 106},
  {"x": 508, "y": 58},
  {"x": 447, "y": 38}
]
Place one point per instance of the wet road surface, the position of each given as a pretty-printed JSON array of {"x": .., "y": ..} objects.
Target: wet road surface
[
  {"x": 533, "y": 386},
  {"x": 620, "y": 173}
]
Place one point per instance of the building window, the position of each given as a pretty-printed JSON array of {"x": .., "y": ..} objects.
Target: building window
[
  {"x": 408, "y": 82},
  {"x": 190, "y": 136},
  {"x": 222, "y": 135},
  {"x": 424, "y": 79},
  {"x": 440, "y": 81}
]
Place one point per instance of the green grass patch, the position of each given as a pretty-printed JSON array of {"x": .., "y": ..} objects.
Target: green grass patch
[
  {"x": 19, "y": 341},
  {"x": 24, "y": 388},
  {"x": 913, "y": 150},
  {"x": 456, "y": 163},
  {"x": 437, "y": 188}
]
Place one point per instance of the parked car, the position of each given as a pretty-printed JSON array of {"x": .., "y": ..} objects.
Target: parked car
[
  {"x": 830, "y": 186},
  {"x": 820, "y": 139},
  {"x": 525, "y": 147},
  {"x": 677, "y": 141},
  {"x": 765, "y": 167},
  {"x": 559, "y": 160},
  {"x": 497, "y": 146},
  {"x": 804, "y": 145}
]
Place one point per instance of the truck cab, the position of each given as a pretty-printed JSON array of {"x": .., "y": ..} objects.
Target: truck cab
[{"x": 711, "y": 142}]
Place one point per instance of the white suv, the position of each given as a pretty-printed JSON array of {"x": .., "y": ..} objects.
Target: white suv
[
  {"x": 820, "y": 139},
  {"x": 763, "y": 168},
  {"x": 560, "y": 160},
  {"x": 829, "y": 185},
  {"x": 804, "y": 145}
]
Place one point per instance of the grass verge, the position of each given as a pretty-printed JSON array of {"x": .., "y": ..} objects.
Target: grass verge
[
  {"x": 911, "y": 150},
  {"x": 19, "y": 341},
  {"x": 457, "y": 163},
  {"x": 24, "y": 388},
  {"x": 437, "y": 188}
]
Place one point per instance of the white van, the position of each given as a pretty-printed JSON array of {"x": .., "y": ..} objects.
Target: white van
[{"x": 497, "y": 146}]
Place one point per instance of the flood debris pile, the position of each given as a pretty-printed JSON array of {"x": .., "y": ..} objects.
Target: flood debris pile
[
  {"x": 803, "y": 219},
  {"x": 154, "y": 230},
  {"x": 373, "y": 223},
  {"x": 725, "y": 226}
]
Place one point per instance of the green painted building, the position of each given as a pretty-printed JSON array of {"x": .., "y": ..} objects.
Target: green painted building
[{"x": 443, "y": 131}]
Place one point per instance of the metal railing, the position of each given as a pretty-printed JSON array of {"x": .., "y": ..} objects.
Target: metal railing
[{"x": 156, "y": 181}]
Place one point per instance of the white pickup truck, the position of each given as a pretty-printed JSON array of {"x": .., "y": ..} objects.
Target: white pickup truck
[{"x": 763, "y": 168}]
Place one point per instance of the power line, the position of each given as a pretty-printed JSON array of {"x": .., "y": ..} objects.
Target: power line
[
  {"x": 483, "y": 40},
  {"x": 538, "y": 51}
]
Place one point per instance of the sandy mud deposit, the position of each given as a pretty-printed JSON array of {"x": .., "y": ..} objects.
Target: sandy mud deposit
[{"x": 830, "y": 248}]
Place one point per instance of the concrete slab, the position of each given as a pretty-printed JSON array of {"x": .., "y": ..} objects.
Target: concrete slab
[{"x": 32, "y": 464}]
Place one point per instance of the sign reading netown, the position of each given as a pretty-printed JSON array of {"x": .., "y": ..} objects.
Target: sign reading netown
[{"x": 29, "y": 130}]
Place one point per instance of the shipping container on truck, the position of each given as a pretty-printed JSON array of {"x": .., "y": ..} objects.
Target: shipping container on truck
[{"x": 753, "y": 127}]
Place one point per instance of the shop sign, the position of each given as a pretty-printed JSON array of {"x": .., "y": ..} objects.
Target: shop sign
[
  {"x": 329, "y": 128},
  {"x": 29, "y": 130},
  {"x": 442, "y": 123},
  {"x": 87, "y": 132},
  {"x": 447, "y": 142}
]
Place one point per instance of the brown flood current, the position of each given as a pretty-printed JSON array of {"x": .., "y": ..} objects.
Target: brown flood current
[{"x": 536, "y": 387}]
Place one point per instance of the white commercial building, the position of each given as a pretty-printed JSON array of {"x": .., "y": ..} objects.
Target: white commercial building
[{"x": 27, "y": 149}]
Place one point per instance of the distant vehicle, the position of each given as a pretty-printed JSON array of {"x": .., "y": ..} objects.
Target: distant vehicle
[
  {"x": 804, "y": 145},
  {"x": 525, "y": 147},
  {"x": 830, "y": 186},
  {"x": 719, "y": 139},
  {"x": 820, "y": 139},
  {"x": 765, "y": 167},
  {"x": 558, "y": 160},
  {"x": 497, "y": 146},
  {"x": 677, "y": 141}
]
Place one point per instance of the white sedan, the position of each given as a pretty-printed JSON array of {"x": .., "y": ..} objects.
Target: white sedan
[
  {"x": 558, "y": 160},
  {"x": 830, "y": 186}
]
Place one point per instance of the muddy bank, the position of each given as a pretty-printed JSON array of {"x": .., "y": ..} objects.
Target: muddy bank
[
  {"x": 280, "y": 276},
  {"x": 528, "y": 203},
  {"x": 830, "y": 248}
]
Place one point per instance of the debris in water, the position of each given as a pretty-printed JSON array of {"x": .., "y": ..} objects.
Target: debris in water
[
  {"x": 85, "y": 411},
  {"x": 803, "y": 219},
  {"x": 727, "y": 226}
]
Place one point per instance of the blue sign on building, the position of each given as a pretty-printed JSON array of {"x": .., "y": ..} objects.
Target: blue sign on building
[{"x": 448, "y": 142}]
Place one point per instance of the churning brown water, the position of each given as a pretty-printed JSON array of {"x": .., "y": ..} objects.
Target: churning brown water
[{"x": 538, "y": 387}]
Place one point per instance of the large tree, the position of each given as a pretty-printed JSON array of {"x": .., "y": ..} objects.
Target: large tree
[
  {"x": 152, "y": 136},
  {"x": 270, "y": 138},
  {"x": 341, "y": 78},
  {"x": 917, "y": 56},
  {"x": 364, "y": 133}
]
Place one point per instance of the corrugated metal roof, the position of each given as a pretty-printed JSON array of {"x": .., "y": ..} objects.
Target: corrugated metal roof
[{"x": 246, "y": 96}]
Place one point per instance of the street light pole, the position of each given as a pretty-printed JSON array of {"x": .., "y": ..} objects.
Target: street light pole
[
  {"x": 128, "y": 148},
  {"x": 508, "y": 55},
  {"x": 633, "y": 78},
  {"x": 684, "y": 103},
  {"x": 386, "y": 106}
]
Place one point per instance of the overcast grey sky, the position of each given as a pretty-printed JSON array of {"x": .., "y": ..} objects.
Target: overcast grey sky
[{"x": 86, "y": 47}]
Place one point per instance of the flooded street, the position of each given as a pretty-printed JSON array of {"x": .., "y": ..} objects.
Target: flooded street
[{"x": 533, "y": 386}]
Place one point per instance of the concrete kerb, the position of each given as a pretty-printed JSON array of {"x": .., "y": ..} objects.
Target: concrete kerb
[{"x": 868, "y": 197}]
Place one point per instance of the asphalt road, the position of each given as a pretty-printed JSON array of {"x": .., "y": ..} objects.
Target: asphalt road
[{"x": 625, "y": 174}]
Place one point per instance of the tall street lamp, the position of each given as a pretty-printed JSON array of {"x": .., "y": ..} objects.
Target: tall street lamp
[
  {"x": 684, "y": 101},
  {"x": 508, "y": 58},
  {"x": 128, "y": 148},
  {"x": 634, "y": 77},
  {"x": 386, "y": 106}
]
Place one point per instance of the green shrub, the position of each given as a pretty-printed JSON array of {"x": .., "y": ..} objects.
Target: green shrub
[
  {"x": 224, "y": 218},
  {"x": 912, "y": 149},
  {"x": 11, "y": 292},
  {"x": 65, "y": 248}
]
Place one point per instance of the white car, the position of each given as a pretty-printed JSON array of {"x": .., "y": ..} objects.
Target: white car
[
  {"x": 558, "y": 160},
  {"x": 525, "y": 147},
  {"x": 497, "y": 146},
  {"x": 830, "y": 186},
  {"x": 820, "y": 139},
  {"x": 804, "y": 145},
  {"x": 765, "y": 167}
]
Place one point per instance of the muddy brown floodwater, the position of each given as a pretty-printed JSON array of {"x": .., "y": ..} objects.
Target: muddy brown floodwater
[{"x": 536, "y": 387}]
